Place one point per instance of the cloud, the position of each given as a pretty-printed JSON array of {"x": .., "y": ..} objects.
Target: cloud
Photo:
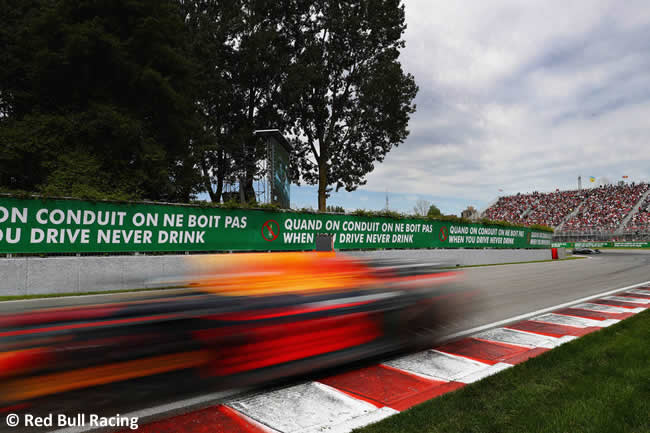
[{"x": 522, "y": 96}]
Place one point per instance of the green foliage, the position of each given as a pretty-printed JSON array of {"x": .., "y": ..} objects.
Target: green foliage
[
  {"x": 380, "y": 213},
  {"x": 451, "y": 218},
  {"x": 16, "y": 193},
  {"x": 140, "y": 99},
  {"x": 448, "y": 218},
  {"x": 241, "y": 52},
  {"x": 335, "y": 209},
  {"x": 349, "y": 98},
  {"x": 306, "y": 210},
  {"x": 79, "y": 192},
  {"x": 433, "y": 211},
  {"x": 236, "y": 204},
  {"x": 96, "y": 99},
  {"x": 542, "y": 227}
]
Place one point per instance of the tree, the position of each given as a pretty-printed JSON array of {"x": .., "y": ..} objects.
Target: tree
[
  {"x": 242, "y": 51},
  {"x": 350, "y": 100},
  {"x": 421, "y": 207},
  {"x": 212, "y": 27},
  {"x": 433, "y": 211},
  {"x": 96, "y": 99}
]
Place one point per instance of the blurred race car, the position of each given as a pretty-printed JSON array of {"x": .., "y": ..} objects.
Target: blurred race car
[
  {"x": 248, "y": 318},
  {"x": 585, "y": 251}
]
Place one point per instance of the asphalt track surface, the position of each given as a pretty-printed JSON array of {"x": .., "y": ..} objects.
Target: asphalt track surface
[{"x": 506, "y": 291}]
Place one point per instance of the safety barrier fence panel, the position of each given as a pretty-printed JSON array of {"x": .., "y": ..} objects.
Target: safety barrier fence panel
[{"x": 75, "y": 226}]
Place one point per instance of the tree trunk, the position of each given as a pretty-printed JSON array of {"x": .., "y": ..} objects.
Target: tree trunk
[
  {"x": 207, "y": 182},
  {"x": 322, "y": 183},
  {"x": 249, "y": 171},
  {"x": 251, "y": 151},
  {"x": 220, "y": 175},
  {"x": 249, "y": 190},
  {"x": 208, "y": 185}
]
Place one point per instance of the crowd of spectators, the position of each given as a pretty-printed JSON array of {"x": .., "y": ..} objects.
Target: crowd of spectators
[
  {"x": 641, "y": 220},
  {"x": 551, "y": 209},
  {"x": 603, "y": 208},
  {"x": 536, "y": 208},
  {"x": 510, "y": 208},
  {"x": 606, "y": 207}
]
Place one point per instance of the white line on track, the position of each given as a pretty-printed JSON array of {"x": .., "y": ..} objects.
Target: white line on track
[
  {"x": 627, "y": 299},
  {"x": 221, "y": 396},
  {"x": 538, "y": 312},
  {"x": 214, "y": 397}
]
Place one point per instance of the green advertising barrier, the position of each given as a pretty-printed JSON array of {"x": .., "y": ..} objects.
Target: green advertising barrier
[
  {"x": 74, "y": 226},
  {"x": 623, "y": 244}
]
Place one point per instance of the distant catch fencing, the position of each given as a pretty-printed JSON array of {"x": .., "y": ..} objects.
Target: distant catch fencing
[
  {"x": 62, "y": 226},
  {"x": 596, "y": 244},
  {"x": 602, "y": 236}
]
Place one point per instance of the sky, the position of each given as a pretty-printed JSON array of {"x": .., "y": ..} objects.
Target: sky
[{"x": 515, "y": 95}]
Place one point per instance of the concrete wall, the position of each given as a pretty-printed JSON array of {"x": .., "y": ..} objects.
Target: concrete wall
[
  {"x": 31, "y": 275},
  {"x": 461, "y": 256}
]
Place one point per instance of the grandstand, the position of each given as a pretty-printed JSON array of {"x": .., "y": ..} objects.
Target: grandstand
[
  {"x": 609, "y": 212},
  {"x": 640, "y": 221}
]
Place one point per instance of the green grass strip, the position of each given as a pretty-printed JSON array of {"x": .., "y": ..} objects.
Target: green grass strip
[
  {"x": 598, "y": 383},
  {"x": 623, "y": 248},
  {"x": 64, "y": 295}
]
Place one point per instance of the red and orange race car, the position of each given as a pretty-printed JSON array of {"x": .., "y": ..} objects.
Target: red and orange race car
[{"x": 245, "y": 319}]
